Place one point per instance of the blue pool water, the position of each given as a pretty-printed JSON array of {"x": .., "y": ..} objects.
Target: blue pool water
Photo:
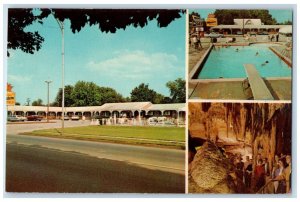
[{"x": 227, "y": 63}]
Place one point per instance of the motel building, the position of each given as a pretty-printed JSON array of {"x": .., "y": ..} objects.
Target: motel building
[
  {"x": 249, "y": 26},
  {"x": 130, "y": 113}
]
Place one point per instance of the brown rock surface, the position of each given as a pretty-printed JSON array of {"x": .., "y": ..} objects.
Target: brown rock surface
[{"x": 210, "y": 171}]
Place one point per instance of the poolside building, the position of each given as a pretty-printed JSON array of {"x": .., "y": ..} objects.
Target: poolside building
[{"x": 245, "y": 26}]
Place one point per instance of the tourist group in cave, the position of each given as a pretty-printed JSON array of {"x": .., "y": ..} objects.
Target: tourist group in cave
[{"x": 264, "y": 176}]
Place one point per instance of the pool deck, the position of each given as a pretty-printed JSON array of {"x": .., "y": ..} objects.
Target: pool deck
[
  {"x": 231, "y": 88},
  {"x": 280, "y": 89}
]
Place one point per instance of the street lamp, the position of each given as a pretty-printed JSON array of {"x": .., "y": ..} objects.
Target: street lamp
[
  {"x": 61, "y": 26},
  {"x": 47, "y": 115}
]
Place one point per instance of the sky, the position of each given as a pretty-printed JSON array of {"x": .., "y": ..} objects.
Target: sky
[
  {"x": 122, "y": 60},
  {"x": 279, "y": 15}
]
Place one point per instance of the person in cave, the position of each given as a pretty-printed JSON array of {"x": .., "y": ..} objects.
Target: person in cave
[
  {"x": 275, "y": 172},
  {"x": 285, "y": 175},
  {"x": 259, "y": 175},
  {"x": 280, "y": 178},
  {"x": 266, "y": 166},
  {"x": 239, "y": 167},
  {"x": 248, "y": 172}
]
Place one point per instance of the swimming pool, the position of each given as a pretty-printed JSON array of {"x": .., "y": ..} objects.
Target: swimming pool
[{"x": 228, "y": 62}]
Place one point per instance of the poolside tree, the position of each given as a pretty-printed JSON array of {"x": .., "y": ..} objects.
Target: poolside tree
[
  {"x": 108, "y": 20},
  {"x": 226, "y": 16}
]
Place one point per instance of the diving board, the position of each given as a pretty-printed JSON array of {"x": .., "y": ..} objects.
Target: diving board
[{"x": 259, "y": 89}]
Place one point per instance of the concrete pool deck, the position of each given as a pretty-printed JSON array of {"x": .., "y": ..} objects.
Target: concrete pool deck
[
  {"x": 231, "y": 89},
  {"x": 280, "y": 89}
]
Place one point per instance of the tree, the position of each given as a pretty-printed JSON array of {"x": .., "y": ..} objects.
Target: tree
[
  {"x": 17, "y": 104},
  {"x": 287, "y": 22},
  {"x": 68, "y": 97},
  {"x": 226, "y": 16},
  {"x": 143, "y": 93},
  {"x": 38, "y": 102},
  {"x": 27, "y": 102},
  {"x": 109, "y": 95},
  {"x": 86, "y": 94},
  {"x": 108, "y": 20},
  {"x": 18, "y": 20},
  {"x": 195, "y": 14},
  {"x": 177, "y": 90}
]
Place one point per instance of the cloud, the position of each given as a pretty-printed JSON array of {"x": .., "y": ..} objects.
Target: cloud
[
  {"x": 137, "y": 64},
  {"x": 18, "y": 78}
]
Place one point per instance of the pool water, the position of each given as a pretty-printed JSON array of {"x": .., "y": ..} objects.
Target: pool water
[{"x": 228, "y": 62}]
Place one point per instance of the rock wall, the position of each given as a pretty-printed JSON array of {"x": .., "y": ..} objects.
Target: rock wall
[{"x": 210, "y": 171}]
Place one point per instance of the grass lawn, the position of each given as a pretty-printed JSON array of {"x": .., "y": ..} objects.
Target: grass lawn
[{"x": 160, "y": 136}]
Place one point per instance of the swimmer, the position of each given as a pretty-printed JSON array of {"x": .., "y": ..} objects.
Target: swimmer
[
  {"x": 266, "y": 62},
  {"x": 237, "y": 50},
  {"x": 256, "y": 54}
]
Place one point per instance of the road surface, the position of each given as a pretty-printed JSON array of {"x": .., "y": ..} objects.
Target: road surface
[{"x": 38, "y": 164}]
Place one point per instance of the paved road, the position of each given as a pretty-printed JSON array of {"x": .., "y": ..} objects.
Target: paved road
[
  {"x": 36, "y": 164},
  {"x": 19, "y": 127}
]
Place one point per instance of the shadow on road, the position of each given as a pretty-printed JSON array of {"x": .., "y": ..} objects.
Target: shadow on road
[{"x": 37, "y": 169}]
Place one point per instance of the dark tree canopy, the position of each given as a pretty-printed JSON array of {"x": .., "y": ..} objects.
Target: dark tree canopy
[
  {"x": 143, "y": 93},
  {"x": 226, "y": 16},
  {"x": 38, "y": 102},
  {"x": 108, "y": 20},
  {"x": 18, "y": 20}
]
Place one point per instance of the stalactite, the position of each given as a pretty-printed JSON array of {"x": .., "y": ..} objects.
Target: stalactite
[{"x": 273, "y": 141}]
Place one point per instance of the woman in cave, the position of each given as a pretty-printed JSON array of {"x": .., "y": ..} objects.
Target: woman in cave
[
  {"x": 259, "y": 175},
  {"x": 275, "y": 172},
  {"x": 281, "y": 189}
]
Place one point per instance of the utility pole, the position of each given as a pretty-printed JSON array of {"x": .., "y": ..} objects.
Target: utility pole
[
  {"x": 47, "y": 115},
  {"x": 61, "y": 26}
]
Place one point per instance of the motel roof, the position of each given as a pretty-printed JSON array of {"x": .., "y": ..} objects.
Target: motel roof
[
  {"x": 164, "y": 107},
  {"x": 248, "y": 26},
  {"x": 125, "y": 106}
]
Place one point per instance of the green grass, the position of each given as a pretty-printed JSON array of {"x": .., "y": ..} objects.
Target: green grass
[{"x": 160, "y": 136}]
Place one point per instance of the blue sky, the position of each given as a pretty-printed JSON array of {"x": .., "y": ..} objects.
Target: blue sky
[
  {"x": 279, "y": 15},
  {"x": 122, "y": 60}
]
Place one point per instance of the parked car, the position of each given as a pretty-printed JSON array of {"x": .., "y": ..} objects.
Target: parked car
[
  {"x": 215, "y": 35},
  {"x": 75, "y": 118},
  {"x": 263, "y": 33},
  {"x": 66, "y": 118},
  {"x": 16, "y": 118},
  {"x": 34, "y": 118},
  {"x": 252, "y": 33},
  {"x": 239, "y": 33},
  {"x": 161, "y": 120},
  {"x": 152, "y": 121}
]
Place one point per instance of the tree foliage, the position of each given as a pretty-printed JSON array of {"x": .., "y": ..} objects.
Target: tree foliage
[
  {"x": 68, "y": 97},
  {"x": 143, "y": 93},
  {"x": 38, "y": 102},
  {"x": 18, "y": 20},
  {"x": 108, "y": 20},
  {"x": 226, "y": 16},
  {"x": 87, "y": 94},
  {"x": 177, "y": 90}
]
